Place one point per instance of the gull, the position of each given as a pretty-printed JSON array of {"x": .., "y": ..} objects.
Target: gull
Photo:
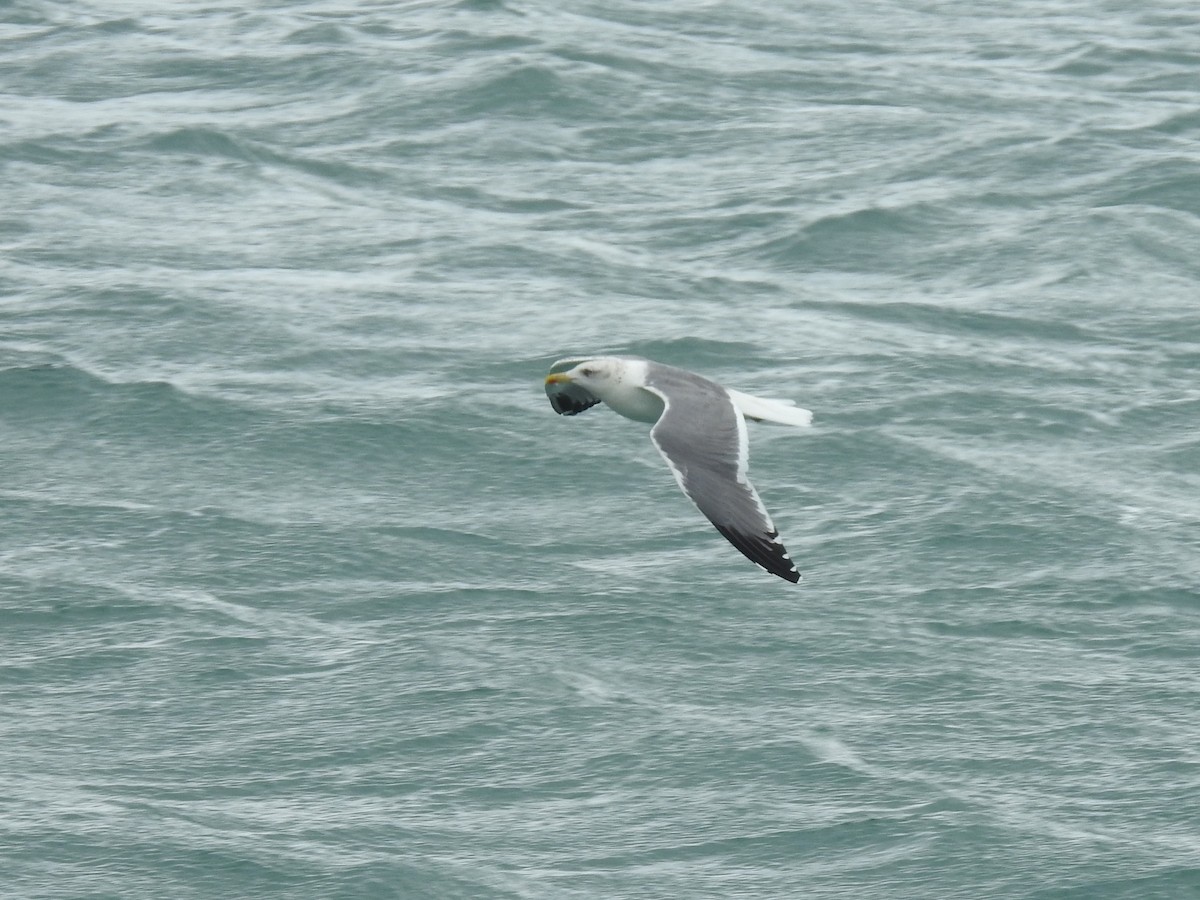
[{"x": 700, "y": 430}]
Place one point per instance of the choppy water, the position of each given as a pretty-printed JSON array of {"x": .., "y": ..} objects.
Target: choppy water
[{"x": 305, "y": 591}]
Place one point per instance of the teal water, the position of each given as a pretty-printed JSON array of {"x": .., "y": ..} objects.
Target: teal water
[{"x": 305, "y": 591}]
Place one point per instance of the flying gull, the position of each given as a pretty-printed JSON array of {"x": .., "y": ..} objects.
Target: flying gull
[{"x": 699, "y": 428}]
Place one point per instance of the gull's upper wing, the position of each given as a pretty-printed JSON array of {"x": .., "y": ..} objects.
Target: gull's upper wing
[{"x": 702, "y": 436}]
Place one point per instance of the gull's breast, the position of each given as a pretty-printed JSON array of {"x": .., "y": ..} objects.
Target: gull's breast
[{"x": 634, "y": 402}]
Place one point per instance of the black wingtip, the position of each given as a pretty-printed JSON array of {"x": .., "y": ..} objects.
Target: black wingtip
[
  {"x": 765, "y": 551},
  {"x": 790, "y": 573}
]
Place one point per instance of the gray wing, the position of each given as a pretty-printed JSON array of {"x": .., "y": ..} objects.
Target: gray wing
[
  {"x": 569, "y": 399},
  {"x": 703, "y": 438}
]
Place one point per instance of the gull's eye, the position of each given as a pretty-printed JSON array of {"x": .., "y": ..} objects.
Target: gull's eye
[{"x": 587, "y": 373}]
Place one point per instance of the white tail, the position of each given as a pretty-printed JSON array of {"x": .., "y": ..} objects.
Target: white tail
[{"x": 760, "y": 409}]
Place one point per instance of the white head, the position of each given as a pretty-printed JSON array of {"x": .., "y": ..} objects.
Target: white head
[
  {"x": 618, "y": 381},
  {"x": 599, "y": 373}
]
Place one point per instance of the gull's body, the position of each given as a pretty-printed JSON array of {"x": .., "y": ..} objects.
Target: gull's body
[{"x": 699, "y": 428}]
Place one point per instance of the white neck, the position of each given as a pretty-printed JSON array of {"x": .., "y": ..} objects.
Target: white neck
[{"x": 625, "y": 394}]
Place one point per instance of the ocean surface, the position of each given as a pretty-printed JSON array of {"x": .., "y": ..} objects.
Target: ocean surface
[{"x": 305, "y": 591}]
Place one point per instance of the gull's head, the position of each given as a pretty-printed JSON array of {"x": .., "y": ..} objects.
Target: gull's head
[
  {"x": 593, "y": 374},
  {"x": 617, "y": 381}
]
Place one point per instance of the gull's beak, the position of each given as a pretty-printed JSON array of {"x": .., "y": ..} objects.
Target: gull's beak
[{"x": 558, "y": 378}]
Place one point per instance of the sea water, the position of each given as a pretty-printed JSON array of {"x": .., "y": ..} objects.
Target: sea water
[{"x": 305, "y": 591}]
